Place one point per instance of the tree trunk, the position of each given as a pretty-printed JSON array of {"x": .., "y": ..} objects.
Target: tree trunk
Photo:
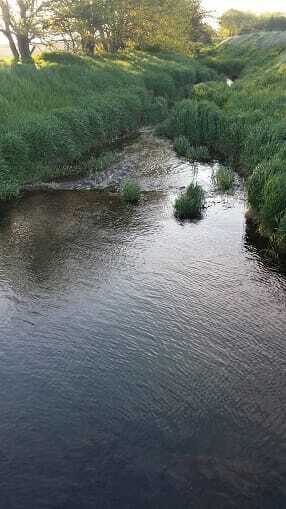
[
  {"x": 7, "y": 32},
  {"x": 24, "y": 48},
  {"x": 12, "y": 45},
  {"x": 88, "y": 46}
]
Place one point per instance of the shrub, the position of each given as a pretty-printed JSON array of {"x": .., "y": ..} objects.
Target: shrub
[
  {"x": 224, "y": 178},
  {"x": 131, "y": 192},
  {"x": 190, "y": 204}
]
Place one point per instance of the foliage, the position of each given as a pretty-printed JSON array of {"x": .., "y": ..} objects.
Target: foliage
[
  {"x": 236, "y": 22},
  {"x": 48, "y": 124},
  {"x": 191, "y": 152},
  {"x": 94, "y": 25},
  {"x": 224, "y": 178},
  {"x": 22, "y": 24},
  {"x": 131, "y": 192},
  {"x": 243, "y": 125},
  {"x": 182, "y": 146},
  {"x": 199, "y": 153},
  {"x": 190, "y": 204},
  {"x": 255, "y": 124},
  {"x": 201, "y": 122}
]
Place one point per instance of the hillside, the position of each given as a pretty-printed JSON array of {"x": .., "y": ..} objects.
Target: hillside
[
  {"x": 58, "y": 116},
  {"x": 260, "y": 40},
  {"x": 244, "y": 125},
  {"x": 256, "y": 108}
]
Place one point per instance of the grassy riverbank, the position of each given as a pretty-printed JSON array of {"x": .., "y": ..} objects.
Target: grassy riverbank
[
  {"x": 58, "y": 116},
  {"x": 244, "y": 125}
]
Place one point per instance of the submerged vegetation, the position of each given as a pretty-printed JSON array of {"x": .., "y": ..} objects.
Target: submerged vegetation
[{"x": 190, "y": 204}]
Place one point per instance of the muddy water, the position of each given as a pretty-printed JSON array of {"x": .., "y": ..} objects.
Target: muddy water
[{"x": 142, "y": 360}]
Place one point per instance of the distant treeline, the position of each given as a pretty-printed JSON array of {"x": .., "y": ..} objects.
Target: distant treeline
[
  {"x": 91, "y": 26},
  {"x": 235, "y": 22}
]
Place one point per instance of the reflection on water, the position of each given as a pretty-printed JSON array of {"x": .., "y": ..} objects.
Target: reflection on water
[{"x": 142, "y": 360}]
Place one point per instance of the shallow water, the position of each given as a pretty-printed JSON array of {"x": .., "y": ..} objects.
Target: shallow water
[{"x": 142, "y": 360}]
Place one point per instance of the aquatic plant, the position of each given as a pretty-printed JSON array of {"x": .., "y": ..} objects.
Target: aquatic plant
[
  {"x": 190, "y": 204},
  {"x": 224, "y": 178},
  {"x": 131, "y": 192},
  {"x": 198, "y": 153},
  {"x": 182, "y": 146}
]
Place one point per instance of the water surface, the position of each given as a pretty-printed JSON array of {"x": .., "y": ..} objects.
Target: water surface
[{"x": 142, "y": 360}]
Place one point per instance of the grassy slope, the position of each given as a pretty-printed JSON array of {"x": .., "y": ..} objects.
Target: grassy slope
[
  {"x": 257, "y": 104},
  {"x": 67, "y": 108},
  {"x": 246, "y": 124}
]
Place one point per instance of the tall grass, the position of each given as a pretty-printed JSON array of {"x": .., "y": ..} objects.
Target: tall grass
[
  {"x": 190, "y": 204},
  {"x": 65, "y": 107},
  {"x": 243, "y": 125},
  {"x": 191, "y": 152},
  {"x": 224, "y": 179},
  {"x": 131, "y": 192}
]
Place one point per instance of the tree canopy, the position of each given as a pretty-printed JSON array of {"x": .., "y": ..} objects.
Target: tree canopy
[
  {"x": 88, "y": 26},
  {"x": 236, "y": 22}
]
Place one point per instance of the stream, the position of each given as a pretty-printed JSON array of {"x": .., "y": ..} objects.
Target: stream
[{"x": 142, "y": 359}]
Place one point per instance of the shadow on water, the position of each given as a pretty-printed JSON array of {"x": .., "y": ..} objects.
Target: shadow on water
[{"x": 142, "y": 360}]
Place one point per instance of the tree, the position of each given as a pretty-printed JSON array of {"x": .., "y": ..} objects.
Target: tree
[
  {"x": 21, "y": 25},
  {"x": 78, "y": 23},
  {"x": 88, "y": 25},
  {"x": 235, "y": 22}
]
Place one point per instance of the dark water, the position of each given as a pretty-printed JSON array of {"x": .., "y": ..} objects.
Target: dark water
[{"x": 142, "y": 361}]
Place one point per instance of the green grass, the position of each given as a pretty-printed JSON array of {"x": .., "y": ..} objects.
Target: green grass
[
  {"x": 182, "y": 146},
  {"x": 190, "y": 204},
  {"x": 192, "y": 152},
  {"x": 244, "y": 125},
  {"x": 199, "y": 153},
  {"x": 67, "y": 109},
  {"x": 131, "y": 192},
  {"x": 224, "y": 179}
]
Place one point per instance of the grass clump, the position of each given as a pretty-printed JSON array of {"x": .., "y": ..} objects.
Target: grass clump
[
  {"x": 131, "y": 192},
  {"x": 182, "y": 146},
  {"x": 199, "y": 153},
  {"x": 224, "y": 179},
  {"x": 191, "y": 152},
  {"x": 190, "y": 204}
]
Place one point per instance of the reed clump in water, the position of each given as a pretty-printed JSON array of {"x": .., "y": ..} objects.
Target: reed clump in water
[
  {"x": 224, "y": 179},
  {"x": 190, "y": 204},
  {"x": 131, "y": 192}
]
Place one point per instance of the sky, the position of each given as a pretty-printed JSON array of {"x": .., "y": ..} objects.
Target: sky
[{"x": 246, "y": 5}]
